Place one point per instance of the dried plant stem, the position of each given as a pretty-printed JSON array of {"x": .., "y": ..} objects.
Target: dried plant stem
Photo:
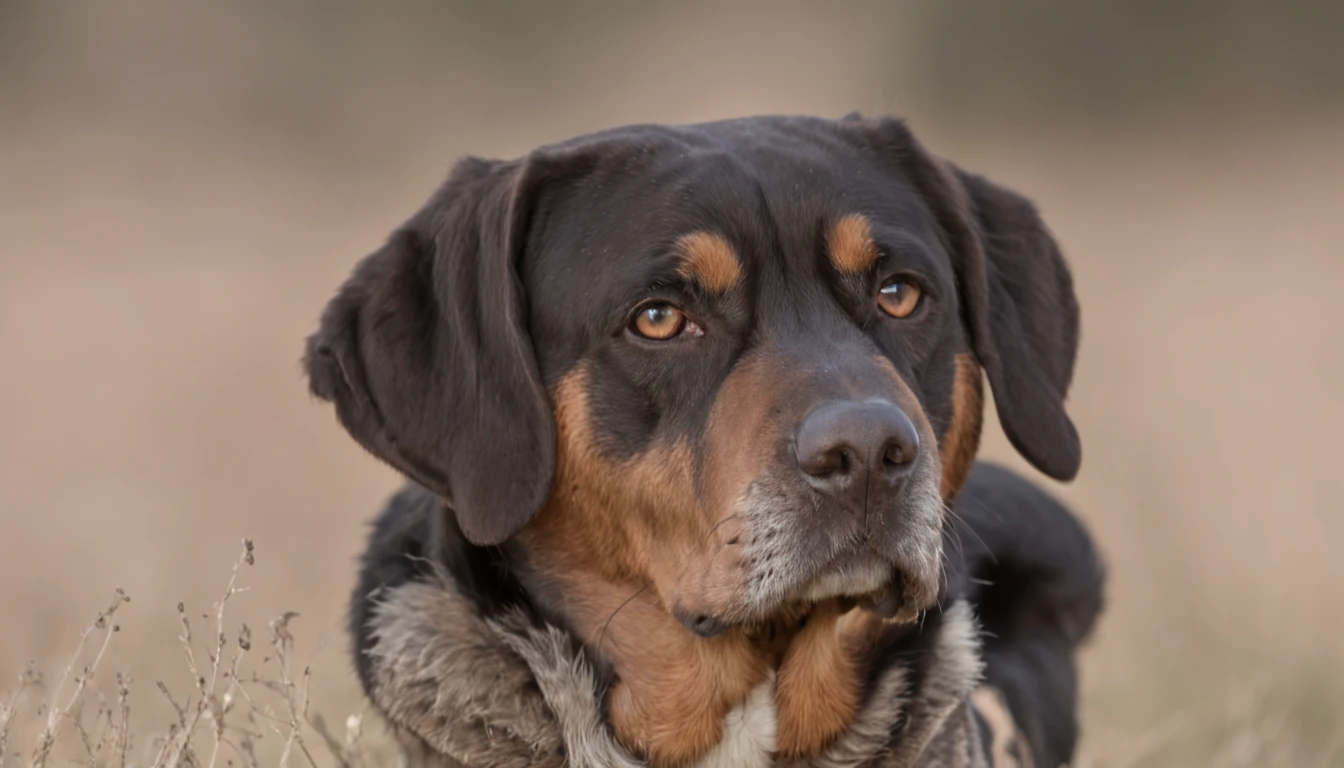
[
  {"x": 334, "y": 746},
  {"x": 72, "y": 733},
  {"x": 244, "y": 645},
  {"x": 59, "y": 713},
  {"x": 283, "y": 642},
  {"x": 180, "y": 745},
  {"x": 27, "y": 679},
  {"x": 122, "y": 742}
]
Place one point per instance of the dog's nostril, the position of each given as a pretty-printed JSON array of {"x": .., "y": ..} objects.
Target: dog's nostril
[
  {"x": 900, "y": 453},
  {"x": 833, "y": 463},
  {"x": 843, "y": 463}
]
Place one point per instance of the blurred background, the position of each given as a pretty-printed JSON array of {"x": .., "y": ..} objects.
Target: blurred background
[{"x": 182, "y": 187}]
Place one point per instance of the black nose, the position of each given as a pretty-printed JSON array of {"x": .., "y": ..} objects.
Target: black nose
[{"x": 843, "y": 447}]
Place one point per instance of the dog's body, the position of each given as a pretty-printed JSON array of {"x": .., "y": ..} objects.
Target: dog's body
[{"x": 687, "y": 407}]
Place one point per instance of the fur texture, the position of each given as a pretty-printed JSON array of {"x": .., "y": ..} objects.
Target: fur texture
[
  {"x": 653, "y": 397},
  {"x": 504, "y": 692}
]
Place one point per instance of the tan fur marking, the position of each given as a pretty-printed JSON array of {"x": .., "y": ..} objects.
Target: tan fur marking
[
  {"x": 624, "y": 542},
  {"x": 656, "y": 543},
  {"x": 743, "y": 425},
  {"x": 817, "y": 692},
  {"x": 675, "y": 688},
  {"x": 958, "y": 447},
  {"x": 850, "y": 245},
  {"x": 740, "y": 422},
  {"x": 709, "y": 260},
  {"x": 1008, "y": 749}
]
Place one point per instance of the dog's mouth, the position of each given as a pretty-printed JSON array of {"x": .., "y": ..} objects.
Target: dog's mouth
[
  {"x": 898, "y": 601},
  {"x": 892, "y": 592}
]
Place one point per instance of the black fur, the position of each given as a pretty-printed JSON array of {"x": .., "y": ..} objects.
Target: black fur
[
  {"x": 416, "y": 537},
  {"x": 1030, "y": 569},
  {"x": 440, "y": 349},
  {"x": 1024, "y": 325},
  {"x": 425, "y": 354}
]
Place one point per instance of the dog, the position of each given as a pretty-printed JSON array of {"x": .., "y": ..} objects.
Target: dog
[{"x": 685, "y": 412}]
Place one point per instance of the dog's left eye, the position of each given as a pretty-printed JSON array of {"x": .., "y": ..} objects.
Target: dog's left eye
[
  {"x": 899, "y": 297},
  {"x": 661, "y": 321}
]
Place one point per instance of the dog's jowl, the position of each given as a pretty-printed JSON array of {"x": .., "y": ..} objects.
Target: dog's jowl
[{"x": 686, "y": 412}]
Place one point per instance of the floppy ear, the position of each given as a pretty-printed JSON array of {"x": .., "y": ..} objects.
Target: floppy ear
[
  {"x": 1022, "y": 314},
  {"x": 1017, "y": 300},
  {"x": 425, "y": 354}
]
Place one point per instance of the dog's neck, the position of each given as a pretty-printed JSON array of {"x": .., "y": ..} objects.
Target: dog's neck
[
  {"x": 465, "y": 664},
  {"x": 674, "y": 692}
]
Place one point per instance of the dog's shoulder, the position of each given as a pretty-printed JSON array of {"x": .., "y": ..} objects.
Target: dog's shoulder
[
  {"x": 395, "y": 554},
  {"x": 1010, "y": 534},
  {"x": 416, "y": 538},
  {"x": 1030, "y": 568}
]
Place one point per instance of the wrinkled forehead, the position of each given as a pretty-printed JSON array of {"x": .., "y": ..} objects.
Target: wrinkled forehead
[
  {"x": 617, "y": 223},
  {"x": 612, "y": 215}
]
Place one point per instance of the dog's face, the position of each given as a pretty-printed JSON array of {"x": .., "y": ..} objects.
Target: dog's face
[{"x": 738, "y": 363}]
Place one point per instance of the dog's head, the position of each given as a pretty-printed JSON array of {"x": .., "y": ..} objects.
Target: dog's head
[{"x": 739, "y": 362}]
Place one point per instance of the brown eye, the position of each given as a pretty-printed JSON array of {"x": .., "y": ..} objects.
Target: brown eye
[
  {"x": 899, "y": 298},
  {"x": 659, "y": 321}
]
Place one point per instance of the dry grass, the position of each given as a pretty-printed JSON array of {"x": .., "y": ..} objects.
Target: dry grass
[
  {"x": 240, "y": 712},
  {"x": 249, "y": 712}
]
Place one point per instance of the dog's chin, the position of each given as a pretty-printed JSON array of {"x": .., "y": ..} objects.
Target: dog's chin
[
  {"x": 894, "y": 571},
  {"x": 849, "y": 577},
  {"x": 866, "y": 582},
  {"x": 874, "y": 584}
]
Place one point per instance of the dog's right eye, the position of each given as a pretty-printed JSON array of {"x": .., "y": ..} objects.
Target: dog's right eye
[{"x": 661, "y": 321}]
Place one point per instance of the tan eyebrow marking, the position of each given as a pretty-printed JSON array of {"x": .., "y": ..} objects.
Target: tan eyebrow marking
[
  {"x": 850, "y": 245},
  {"x": 709, "y": 260}
]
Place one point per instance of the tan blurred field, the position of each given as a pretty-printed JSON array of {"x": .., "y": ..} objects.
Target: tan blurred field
[{"x": 180, "y": 193}]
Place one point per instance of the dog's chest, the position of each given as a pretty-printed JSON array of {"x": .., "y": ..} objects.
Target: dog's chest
[{"x": 748, "y": 732}]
